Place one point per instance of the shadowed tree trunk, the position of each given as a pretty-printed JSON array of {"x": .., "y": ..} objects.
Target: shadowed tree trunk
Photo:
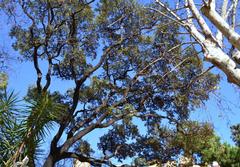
[{"x": 50, "y": 161}]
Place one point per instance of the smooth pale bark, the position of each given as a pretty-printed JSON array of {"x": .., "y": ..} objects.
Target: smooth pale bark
[
  {"x": 223, "y": 26},
  {"x": 206, "y": 30},
  {"x": 212, "y": 45},
  {"x": 217, "y": 57},
  {"x": 224, "y": 15}
]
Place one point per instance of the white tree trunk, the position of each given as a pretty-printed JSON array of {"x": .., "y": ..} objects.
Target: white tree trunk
[{"x": 212, "y": 43}]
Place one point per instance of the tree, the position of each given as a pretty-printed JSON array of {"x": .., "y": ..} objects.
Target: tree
[
  {"x": 9, "y": 132},
  {"x": 220, "y": 42},
  {"x": 198, "y": 142},
  {"x": 236, "y": 134},
  {"x": 192, "y": 137},
  {"x": 224, "y": 154},
  {"x": 187, "y": 141},
  {"x": 128, "y": 68}
]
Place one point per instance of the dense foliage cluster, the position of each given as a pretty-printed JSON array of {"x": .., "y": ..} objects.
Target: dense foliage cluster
[{"x": 236, "y": 134}]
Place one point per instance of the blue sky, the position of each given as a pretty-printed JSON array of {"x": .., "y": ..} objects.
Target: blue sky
[
  {"x": 221, "y": 113},
  {"x": 222, "y": 109}
]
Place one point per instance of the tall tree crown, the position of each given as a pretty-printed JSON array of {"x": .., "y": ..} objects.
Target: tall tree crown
[{"x": 129, "y": 70}]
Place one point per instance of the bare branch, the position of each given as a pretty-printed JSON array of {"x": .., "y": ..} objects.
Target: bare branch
[
  {"x": 224, "y": 13},
  {"x": 206, "y": 30}
]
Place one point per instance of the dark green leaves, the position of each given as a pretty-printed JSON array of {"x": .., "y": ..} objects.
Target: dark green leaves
[{"x": 236, "y": 134}]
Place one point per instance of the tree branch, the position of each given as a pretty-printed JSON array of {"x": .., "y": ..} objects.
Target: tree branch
[{"x": 232, "y": 36}]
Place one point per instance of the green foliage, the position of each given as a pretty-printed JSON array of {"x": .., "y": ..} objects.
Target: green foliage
[
  {"x": 83, "y": 147},
  {"x": 192, "y": 137},
  {"x": 10, "y": 129},
  {"x": 3, "y": 80},
  {"x": 126, "y": 64},
  {"x": 27, "y": 124},
  {"x": 236, "y": 134},
  {"x": 42, "y": 112},
  {"x": 224, "y": 154}
]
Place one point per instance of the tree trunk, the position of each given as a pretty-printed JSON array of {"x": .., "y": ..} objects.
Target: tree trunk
[{"x": 50, "y": 161}]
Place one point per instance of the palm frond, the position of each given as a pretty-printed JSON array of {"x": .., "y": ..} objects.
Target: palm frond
[
  {"x": 9, "y": 133},
  {"x": 40, "y": 117},
  {"x": 26, "y": 126}
]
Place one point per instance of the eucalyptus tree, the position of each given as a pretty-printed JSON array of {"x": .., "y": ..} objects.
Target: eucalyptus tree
[
  {"x": 128, "y": 69},
  {"x": 214, "y": 27}
]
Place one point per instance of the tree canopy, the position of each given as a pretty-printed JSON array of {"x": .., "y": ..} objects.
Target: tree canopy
[{"x": 130, "y": 70}]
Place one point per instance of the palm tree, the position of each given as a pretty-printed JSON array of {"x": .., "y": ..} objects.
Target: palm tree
[
  {"x": 9, "y": 131},
  {"x": 23, "y": 127}
]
